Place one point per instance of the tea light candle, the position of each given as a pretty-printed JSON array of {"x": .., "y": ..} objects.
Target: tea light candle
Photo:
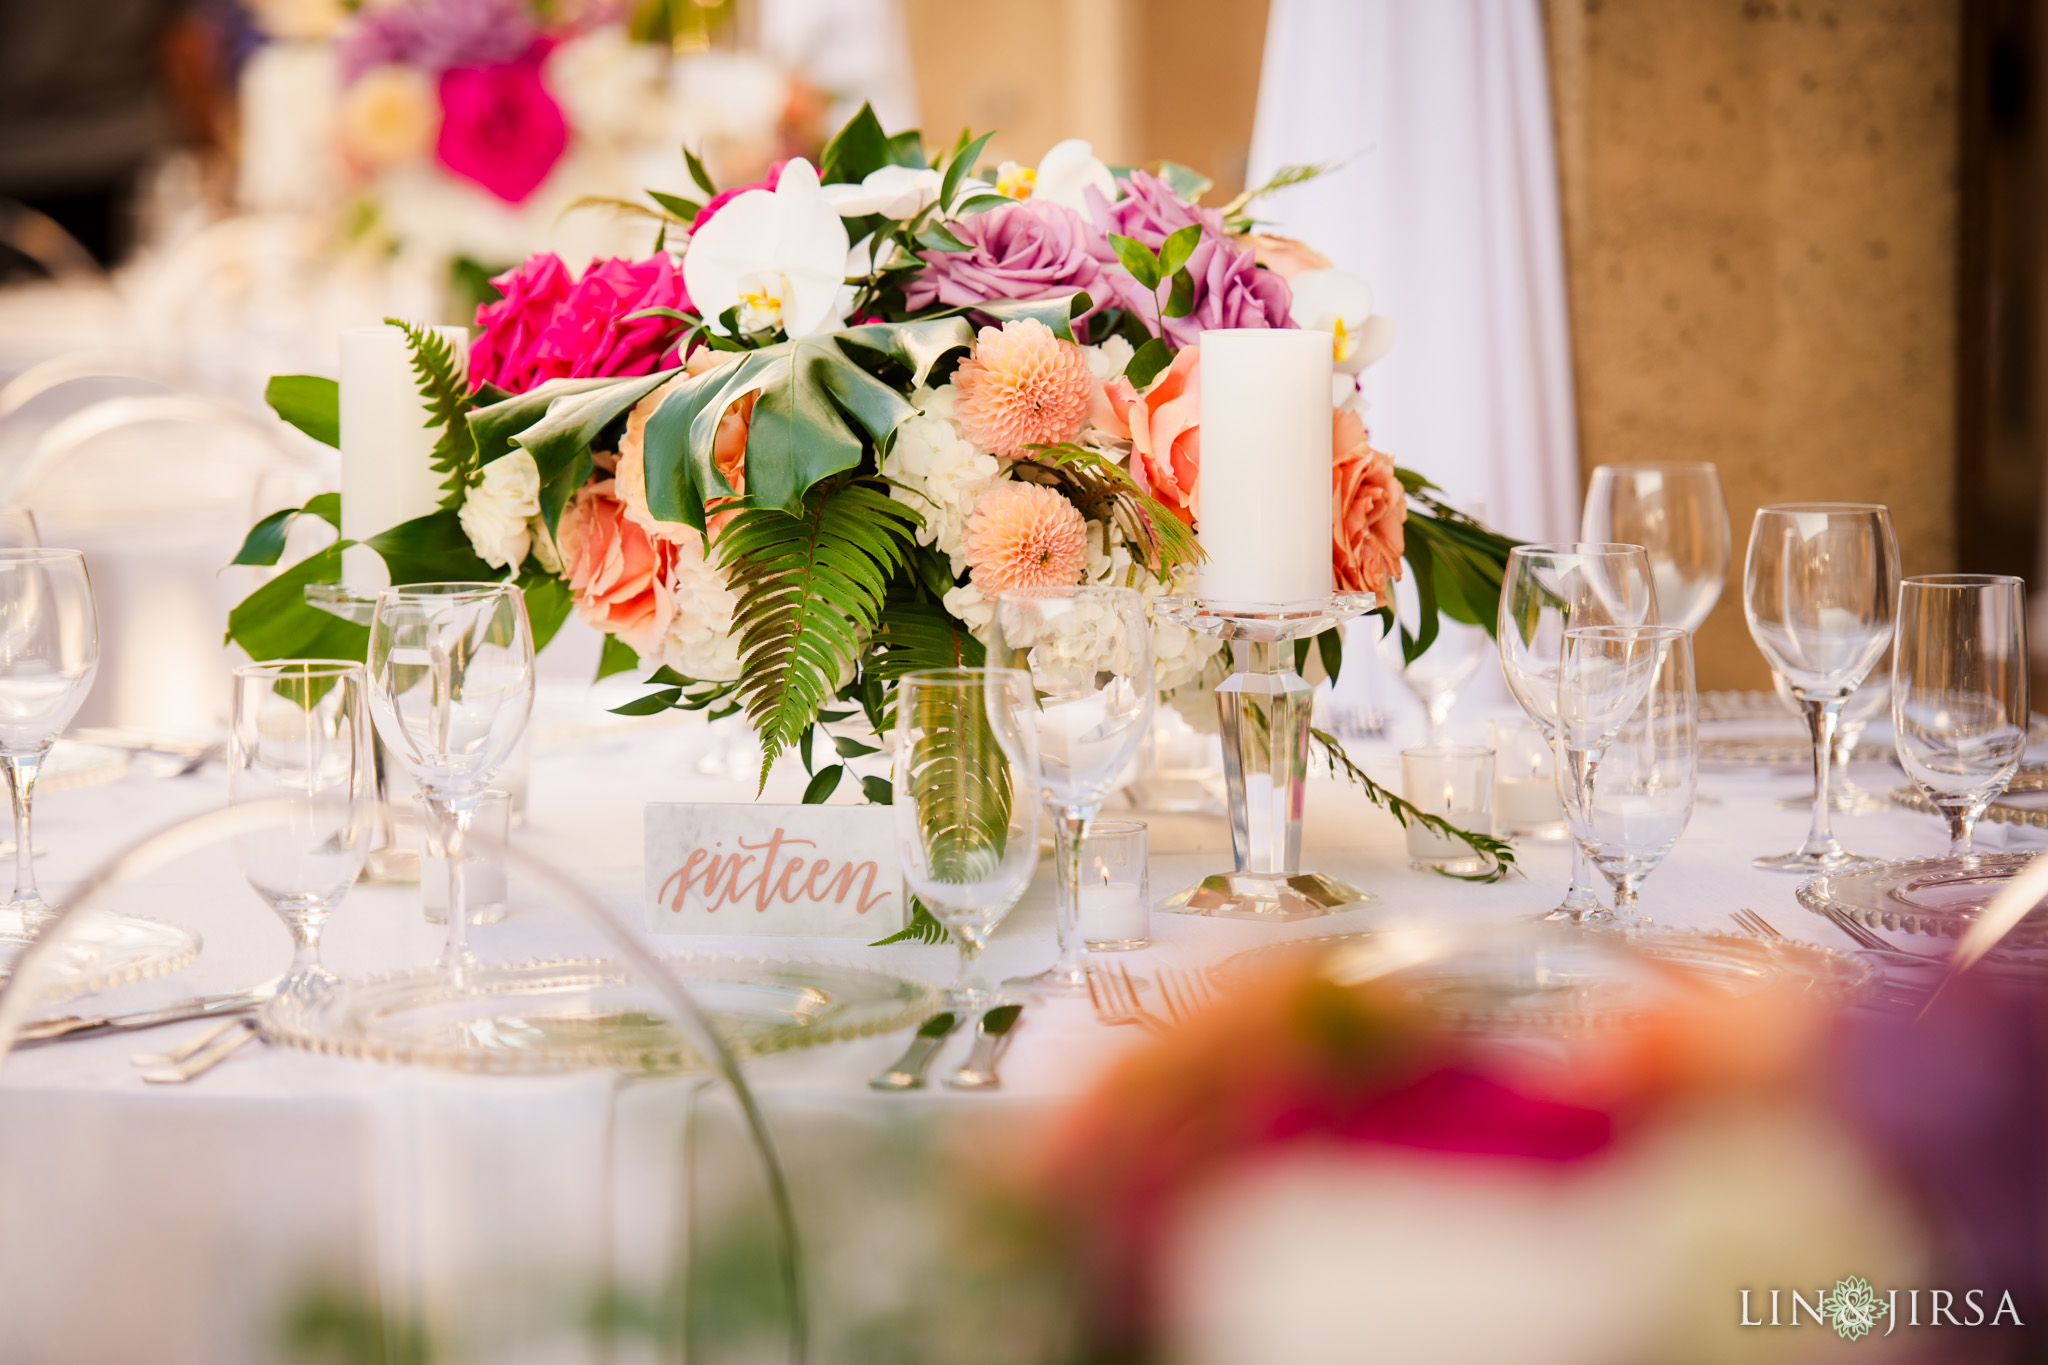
[
  {"x": 387, "y": 448},
  {"x": 1525, "y": 799},
  {"x": 1116, "y": 900},
  {"x": 1456, "y": 783},
  {"x": 1264, "y": 518}
]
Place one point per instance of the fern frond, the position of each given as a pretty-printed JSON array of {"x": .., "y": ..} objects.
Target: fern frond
[
  {"x": 442, "y": 385},
  {"x": 1104, "y": 491},
  {"x": 917, "y": 635},
  {"x": 959, "y": 780},
  {"x": 810, "y": 590}
]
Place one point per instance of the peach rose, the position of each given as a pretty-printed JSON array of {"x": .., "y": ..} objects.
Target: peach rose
[
  {"x": 728, "y": 452},
  {"x": 1165, "y": 429},
  {"x": 1368, "y": 507},
  {"x": 1284, "y": 256},
  {"x": 618, "y": 573}
]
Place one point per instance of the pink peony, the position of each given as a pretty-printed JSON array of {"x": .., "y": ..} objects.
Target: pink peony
[
  {"x": 719, "y": 200},
  {"x": 500, "y": 127},
  {"x": 1164, "y": 424},
  {"x": 1368, "y": 508},
  {"x": 617, "y": 572},
  {"x": 1032, "y": 250},
  {"x": 1022, "y": 387},
  {"x": 547, "y": 327},
  {"x": 1230, "y": 289},
  {"x": 1024, "y": 535}
]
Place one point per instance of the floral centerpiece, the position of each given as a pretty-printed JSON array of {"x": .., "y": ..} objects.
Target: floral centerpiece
[{"x": 796, "y": 450}]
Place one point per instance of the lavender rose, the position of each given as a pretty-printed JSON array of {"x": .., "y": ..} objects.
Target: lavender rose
[
  {"x": 1028, "y": 250},
  {"x": 1230, "y": 289}
]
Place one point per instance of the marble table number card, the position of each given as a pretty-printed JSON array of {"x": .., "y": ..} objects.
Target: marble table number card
[{"x": 809, "y": 871}]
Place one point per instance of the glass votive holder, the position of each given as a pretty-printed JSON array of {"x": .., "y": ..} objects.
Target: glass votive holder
[
  {"x": 485, "y": 867},
  {"x": 1454, "y": 781},
  {"x": 1525, "y": 801},
  {"x": 1115, "y": 902}
]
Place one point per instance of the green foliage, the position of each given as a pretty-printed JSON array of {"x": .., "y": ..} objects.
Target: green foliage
[
  {"x": 276, "y": 621},
  {"x": 470, "y": 287},
  {"x": 1104, "y": 491},
  {"x": 1148, "y": 361},
  {"x": 958, "y": 778},
  {"x": 1457, "y": 563},
  {"x": 439, "y": 372},
  {"x": 1185, "y": 181},
  {"x": 861, "y": 148},
  {"x": 308, "y": 402},
  {"x": 1056, "y": 313},
  {"x": 265, "y": 541},
  {"x": 921, "y": 929},
  {"x": 1499, "y": 854},
  {"x": 548, "y": 601},
  {"x": 915, "y": 635},
  {"x": 1234, "y": 218},
  {"x": 810, "y": 589},
  {"x": 699, "y": 174},
  {"x": 681, "y": 209},
  {"x": 432, "y": 549},
  {"x": 616, "y": 657},
  {"x": 1140, "y": 260},
  {"x": 561, "y": 440}
]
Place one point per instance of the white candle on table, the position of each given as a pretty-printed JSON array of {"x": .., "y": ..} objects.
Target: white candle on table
[
  {"x": 1264, "y": 513},
  {"x": 1112, "y": 913},
  {"x": 1521, "y": 803},
  {"x": 387, "y": 474}
]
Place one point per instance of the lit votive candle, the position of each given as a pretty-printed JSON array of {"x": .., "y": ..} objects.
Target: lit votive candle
[
  {"x": 1116, "y": 892},
  {"x": 1525, "y": 799},
  {"x": 1455, "y": 782}
]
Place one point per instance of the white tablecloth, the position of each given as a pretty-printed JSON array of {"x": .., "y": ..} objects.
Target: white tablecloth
[{"x": 185, "y": 1224}]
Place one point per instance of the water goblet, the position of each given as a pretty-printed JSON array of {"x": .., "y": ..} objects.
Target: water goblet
[
  {"x": 1818, "y": 590},
  {"x": 966, "y": 804},
  {"x": 451, "y": 687},
  {"x": 300, "y": 739},
  {"x": 1677, "y": 513},
  {"x": 49, "y": 653},
  {"x": 1959, "y": 691},
  {"x": 1629, "y": 711},
  {"x": 1088, "y": 654},
  {"x": 18, "y": 529},
  {"x": 1871, "y": 700},
  {"x": 1545, "y": 590}
]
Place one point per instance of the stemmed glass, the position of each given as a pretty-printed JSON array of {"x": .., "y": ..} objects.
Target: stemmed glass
[
  {"x": 1677, "y": 513},
  {"x": 966, "y": 804},
  {"x": 1546, "y": 590},
  {"x": 1088, "y": 654},
  {"x": 1959, "y": 691},
  {"x": 1628, "y": 709},
  {"x": 451, "y": 687},
  {"x": 1819, "y": 589},
  {"x": 300, "y": 739},
  {"x": 1436, "y": 677},
  {"x": 49, "y": 652},
  {"x": 1871, "y": 700}
]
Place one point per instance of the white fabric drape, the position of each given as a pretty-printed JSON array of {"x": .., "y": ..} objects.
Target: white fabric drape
[{"x": 1447, "y": 203}]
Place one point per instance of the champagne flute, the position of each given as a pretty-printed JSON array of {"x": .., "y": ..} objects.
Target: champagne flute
[
  {"x": 451, "y": 687},
  {"x": 1677, "y": 513},
  {"x": 966, "y": 804},
  {"x": 1545, "y": 590},
  {"x": 1088, "y": 654},
  {"x": 301, "y": 738},
  {"x": 1959, "y": 691},
  {"x": 1818, "y": 589},
  {"x": 1629, "y": 710},
  {"x": 49, "y": 652}
]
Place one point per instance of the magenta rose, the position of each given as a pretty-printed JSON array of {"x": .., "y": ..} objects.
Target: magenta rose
[
  {"x": 500, "y": 127},
  {"x": 723, "y": 197},
  {"x": 548, "y": 327},
  {"x": 1029, "y": 250},
  {"x": 1230, "y": 288}
]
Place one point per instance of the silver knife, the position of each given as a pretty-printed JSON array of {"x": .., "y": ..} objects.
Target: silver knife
[
  {"x": 196, "y": 1007},
  {"x": 908, "y": 1073},
  {"x": 990, "y": 1036}
]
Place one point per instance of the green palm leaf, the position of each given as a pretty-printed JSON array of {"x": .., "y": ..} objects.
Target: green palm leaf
[
  {"x": 959, "y": 780},
  {"x": 810, "y": 589}
]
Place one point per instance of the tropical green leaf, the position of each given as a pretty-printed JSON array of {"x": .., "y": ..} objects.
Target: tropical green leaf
[
  {"x": 308, "y": 402},
  {"x": 958, "y": 778},
  {"x": 265, "y": 541},
  {"x": 855, "y": 151},
  {"x": 439, "y": 372},
  {"x": 1146, "y": 363},
  {"x": 560, "y": 442},
  {"x": 921, "y": 929},
  {"x": 495, "y": 424},
  {"x": 823, "y": 784},
  {"x": 964, "y": 156},
  {"x": 432, "y": 549},
  {"x": 810, "y": 589},
  {"x": 548, "y": 601},
  {"x": 276, "y": 621},
  {"x": 917, "y": 346},
  {"x": 654, "y": 703},
  {"x": 1498, "y": 853},
  {"x": 1330, "y": 646},
  {"x": 616, "y": 657}
]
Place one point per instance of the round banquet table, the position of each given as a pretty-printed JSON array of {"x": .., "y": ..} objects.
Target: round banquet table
[{"x": 194, "y": 1223}]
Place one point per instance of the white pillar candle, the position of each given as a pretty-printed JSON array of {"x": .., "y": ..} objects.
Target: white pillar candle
[
  {"x": 1264, "y": 493},
  {"x": 387, "y": 448}
]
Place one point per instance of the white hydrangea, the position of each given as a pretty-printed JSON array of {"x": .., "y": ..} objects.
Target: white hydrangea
[
  {"x": 700, "y": 643},
  {"x": 967, "y": 606},
  {"x": 1178, "y": 654},
  {"x": 943, "y": 475},
  {"x": 495, "y": 512},
  {"x": 1109, "y": 359}
]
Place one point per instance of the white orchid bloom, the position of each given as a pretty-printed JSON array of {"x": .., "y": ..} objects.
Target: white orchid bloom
[
  {"x": 779, "y": 256},
  {"x": 1062, "y": 174},
  {"x": 894, "y": 192},
  {"x": 1340, "y": 303}
]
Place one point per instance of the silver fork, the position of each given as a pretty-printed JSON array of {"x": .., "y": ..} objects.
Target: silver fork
[
  {"x": 1115, "y": 997},
  {"x": 1755, "y": 925},
  {"x": 1183, "y": 992},
  {"x": 187, "y": 1049},
  {"x": 206, "y": 1060}
]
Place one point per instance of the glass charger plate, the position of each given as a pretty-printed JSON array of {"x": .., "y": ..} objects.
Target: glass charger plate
[
  {"x": 104, "y": 951},
  {"x": 1934, "y": 896},
  {"x": 587, "y": 1014},
  {"x": 2024, "y": 802},
  {"x": 1578, "y": 984}
]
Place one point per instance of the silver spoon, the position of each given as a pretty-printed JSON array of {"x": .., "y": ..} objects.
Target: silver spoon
[
  {"x": 979, "y": 1070},
  {"x": 908, "y": 1073}
]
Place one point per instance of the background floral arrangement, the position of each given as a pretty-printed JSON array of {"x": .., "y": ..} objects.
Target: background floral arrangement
[{"x": 795, "y": 451}]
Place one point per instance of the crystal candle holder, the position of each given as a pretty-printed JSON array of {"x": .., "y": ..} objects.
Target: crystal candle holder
[
  {"x": 1525, "y": 801},
  {"x": 1116, "y": 887},
  {"x": 1454, "y": 781}
]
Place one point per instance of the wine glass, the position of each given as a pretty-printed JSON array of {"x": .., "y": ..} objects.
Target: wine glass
[
  {"x": 966, "y": 804},
  {"x": 1871, "y": 700},
  {"x": 1088, "y": 653},
  {"x": 1959, "y": 691},
  {"x": 18, "y": 529},
  {"x": 1677, "y": 514},
  {"x": 300, "y": 738},
  {"x": 1545, "y": 590},
  {"x": 1818, "y": 590},
  {"x": 1629, "y": 711},
  {"x": 451, "y": 686},
  {"x": 49, "y": 652}
]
